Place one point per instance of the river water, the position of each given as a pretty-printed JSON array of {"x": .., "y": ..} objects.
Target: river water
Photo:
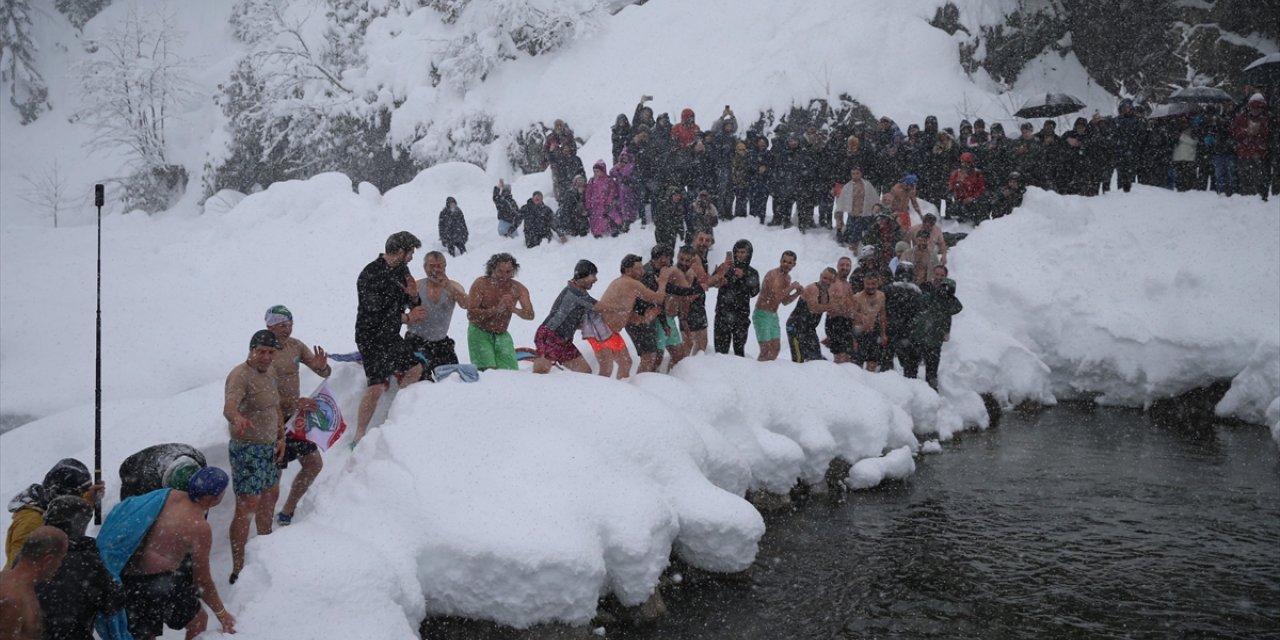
[{"x": 1074, "y": 522}]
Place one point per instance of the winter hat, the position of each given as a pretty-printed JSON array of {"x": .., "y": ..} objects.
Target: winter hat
[
  {"x": 584, "y": 269},
  {"x": 1257, "y": 98},
  {"x": 67, "y": 478},
  {"x": 600, "y": 165},
  {"x": 1027, "y": 126},
  {"x": 979, "y": 124},
  {"x": 997, "y": 127},
  {"x": 209, "y": 481},
  {"x": 947, "y": 285},
  {"x": 906, "y": 272},
  {"x": 263, "y": 338},
  {"x": 450, "y": 200},
  {"x": 68, "y": 514},
  {"x": 277, "y": 314}
]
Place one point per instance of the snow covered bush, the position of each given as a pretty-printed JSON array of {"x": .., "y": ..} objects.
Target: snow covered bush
[{"x": 80, "y": 12}]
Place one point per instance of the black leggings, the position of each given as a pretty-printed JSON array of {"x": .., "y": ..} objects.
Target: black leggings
[
  {"x": 731, "y": 327},
  {"x": 911, "y": 357}
]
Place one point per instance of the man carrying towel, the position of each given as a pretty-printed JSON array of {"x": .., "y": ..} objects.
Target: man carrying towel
[{"x": 158, "y": 545}]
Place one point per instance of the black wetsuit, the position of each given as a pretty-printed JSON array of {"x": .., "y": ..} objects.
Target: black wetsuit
[{"x": 802, "y": 329}]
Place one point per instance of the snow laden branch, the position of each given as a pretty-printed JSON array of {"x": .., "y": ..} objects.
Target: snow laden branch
[
  {"x": 131, "y": 86},
  {"x": 27, "y": 90}
]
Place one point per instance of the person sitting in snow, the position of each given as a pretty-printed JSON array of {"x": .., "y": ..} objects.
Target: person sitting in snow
[
  {"x": 453, "y": 228},
  {"x": 539, "y": 223},
  {"x": 508, "y": 210}
]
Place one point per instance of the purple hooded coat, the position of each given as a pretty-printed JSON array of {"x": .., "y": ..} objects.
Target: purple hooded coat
[
  {"x": 602, "y": 201},
  {"x": 623, "y": 175}
]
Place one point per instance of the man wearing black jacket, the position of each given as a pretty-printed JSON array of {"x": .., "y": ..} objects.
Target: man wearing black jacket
[
  {"x": 82, "y": 587},
  {"x": 733, "y": 303},
  {"x": 385, "y": 290}
]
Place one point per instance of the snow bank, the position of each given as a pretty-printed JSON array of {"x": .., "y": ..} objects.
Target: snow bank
[{"x": 1131, "y": 297}]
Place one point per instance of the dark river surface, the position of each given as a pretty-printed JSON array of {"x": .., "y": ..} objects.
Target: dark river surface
[{"x": 1074, "y": 522}]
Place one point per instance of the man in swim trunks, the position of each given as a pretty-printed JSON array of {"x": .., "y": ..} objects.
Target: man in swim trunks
[
  {"x": 620, "y": 306},
  {"x": 494, "y": 298},
  {"x": 839, "y": 316},
  {"x": 39, "y": 557},
  {"x": 902, "y": 199},
  {"x": 666, "y": 327},
  {"x": 698, "y": 269},
  {"x": 776, "y": 289},
  {"x": 252, "y": 410},
  {"x": 554, "y": 337},
  {"x": 385, "y": 289},
  {"x": 802, "y": 325},
  {"x": 870, "y": 324},
  {"x": 293, "y": 351},
  {"x": 439, "y": 296},
  {"x": 168, "y": 575}
]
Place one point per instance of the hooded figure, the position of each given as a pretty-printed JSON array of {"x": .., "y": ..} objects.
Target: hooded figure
[
  {"x": 453, "y": 227},
  {"x": 602, "y": 203},
  {"x": 69, "y": 477},
  {"x": 624, "y": 177},
  {"x": 733, "y": 303},
  {"x": 687, "y": 131}
]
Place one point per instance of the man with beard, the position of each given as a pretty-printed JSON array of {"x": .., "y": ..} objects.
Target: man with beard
[
  {"x": 802, "y": 325},
  {"x": 439, "y": 296},
  {"x": 494, "y": 298},
  {"x": 733, "y": 304},
  {"x": 776, "y": 289},
  {"x": 385, "y": 289},
  {"x": 621, "y": 307},
  {"x": 870, "y": 323},
  {"x": 678, "y": 292}
]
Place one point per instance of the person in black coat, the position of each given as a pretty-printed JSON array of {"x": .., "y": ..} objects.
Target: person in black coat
[
  {"x": 571, "y": 214},
  {"x": 902, "y": 305},
  {"x": 759, "y": 177},
  {"x": 733, "y": 303},
  {"x": 1129, "y": 142},
  {"x": 669, "y": 217},
  {"x": 621, "y": 135},
  {"x": 788, "y": 174},
  {"x": 508, "y": 210},
  {"x": 453, "y": 228},
  {"x": 537, "y": 219},
  {"x": 82, "y": 587}
]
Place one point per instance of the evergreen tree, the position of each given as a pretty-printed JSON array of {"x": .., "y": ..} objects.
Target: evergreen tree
[
  {"x": 80, "y": 12},
  {"x": 27, "y": 90}
]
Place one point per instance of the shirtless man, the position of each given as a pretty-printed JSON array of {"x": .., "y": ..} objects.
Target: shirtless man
[
  {"x": 252, "y": 408},
  {"x": 679, "y": 294},
  {"x": 291, "y": 352},
  {"x": 619, "y": 306},
  {"x": 40, "y": 557},
  {"x": 168, "y": 575},
  {"x": 901, "y": 199},
  {"x": 840, "y": 314},
  {"x": 929, "y": 223},
  {"x": 870, "y": 324},
  {"x": 693, "y": 310},
  {"x": 696, "y": 326},
  {"x": 775, "y": 289},
  {"x": 802, "y": 325},
  {"x": 494, "y": 297}
]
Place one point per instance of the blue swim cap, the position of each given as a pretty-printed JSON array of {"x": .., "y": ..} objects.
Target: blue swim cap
[
  {"x": 209, "y": 481},
  {"x": 910, "y": 179}
]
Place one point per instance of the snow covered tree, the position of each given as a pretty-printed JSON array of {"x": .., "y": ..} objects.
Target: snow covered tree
[
  {"x": 80, "y": 12},
  {"x": 27, "y": 90},
  {"x": 252, "y": 20},
  {"x": 130, "y": 89},
  {"x": 48, "y": 190}
]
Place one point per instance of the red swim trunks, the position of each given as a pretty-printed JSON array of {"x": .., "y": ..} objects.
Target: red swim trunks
[
  {"x": 614, "y": 343},
  {"x": 554, "y": 348}
]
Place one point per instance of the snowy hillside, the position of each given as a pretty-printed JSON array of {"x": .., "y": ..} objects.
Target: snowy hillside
[{"x": 523, "y": 499}]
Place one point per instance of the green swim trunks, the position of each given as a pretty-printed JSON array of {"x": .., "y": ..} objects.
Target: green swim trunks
[
  {"x": 491, "y": 350},
  {"x": 663, "y": 339},
  {"x": 766, "y": 324}
]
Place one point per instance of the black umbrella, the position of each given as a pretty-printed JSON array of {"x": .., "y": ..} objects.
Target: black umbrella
[
  {"x": 1263, "y": 72},
  {"x": 1051, "y": 105},
  {"x": 1201, "y": 95}
]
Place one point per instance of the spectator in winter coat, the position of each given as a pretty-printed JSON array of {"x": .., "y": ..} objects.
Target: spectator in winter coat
[
  {"x": 1100, "y": 156},
  {"x": 788, "y": 176},
  {"x": 702, "y": 215},
  {"x": 643, "y": 114},
  {"x": 760, "y": 163},
  {"x": 979, "y": 137},
  {"x": 720, "y": 144},
  {"x": 938, "y": 165},
  {"x": 902, "y": 304},
  {"x": 1250, "y": 132},
  {"x": 1076, "y": 175},
  {"x": 1009, "y": 196},
  {"x": 687, "y": 131},
  {"x": 82, "y": 587},
  {"x": 69, "y": 477},
  {"x": 967, "y": 186},
  {"x": 994, "y": 154},
  {"x": 602, "y": 202},
  {"x": 624, "y": 178},
  {"x": 571, "y": 216},
  {"x": 508, "y": 211},
  {"x": 621, "y": 135},
  {"x": 739, "y": 183},
  {"x": 1222, "y": 150},
  {"x": 453, "y": 228},
  {"x": 965, "y": 135},
  {"x": 1025, "y": 154},
  {"x": 669, "y": 217},
  {"x": 1052, "y": 159},
  {"x": 698, "y": 167},
  {"x": 537, "y": 219},
  {"x": 1130, "y": 136}
]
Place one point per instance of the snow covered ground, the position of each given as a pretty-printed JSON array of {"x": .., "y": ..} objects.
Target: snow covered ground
[{"x": 522, "y": 499}]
